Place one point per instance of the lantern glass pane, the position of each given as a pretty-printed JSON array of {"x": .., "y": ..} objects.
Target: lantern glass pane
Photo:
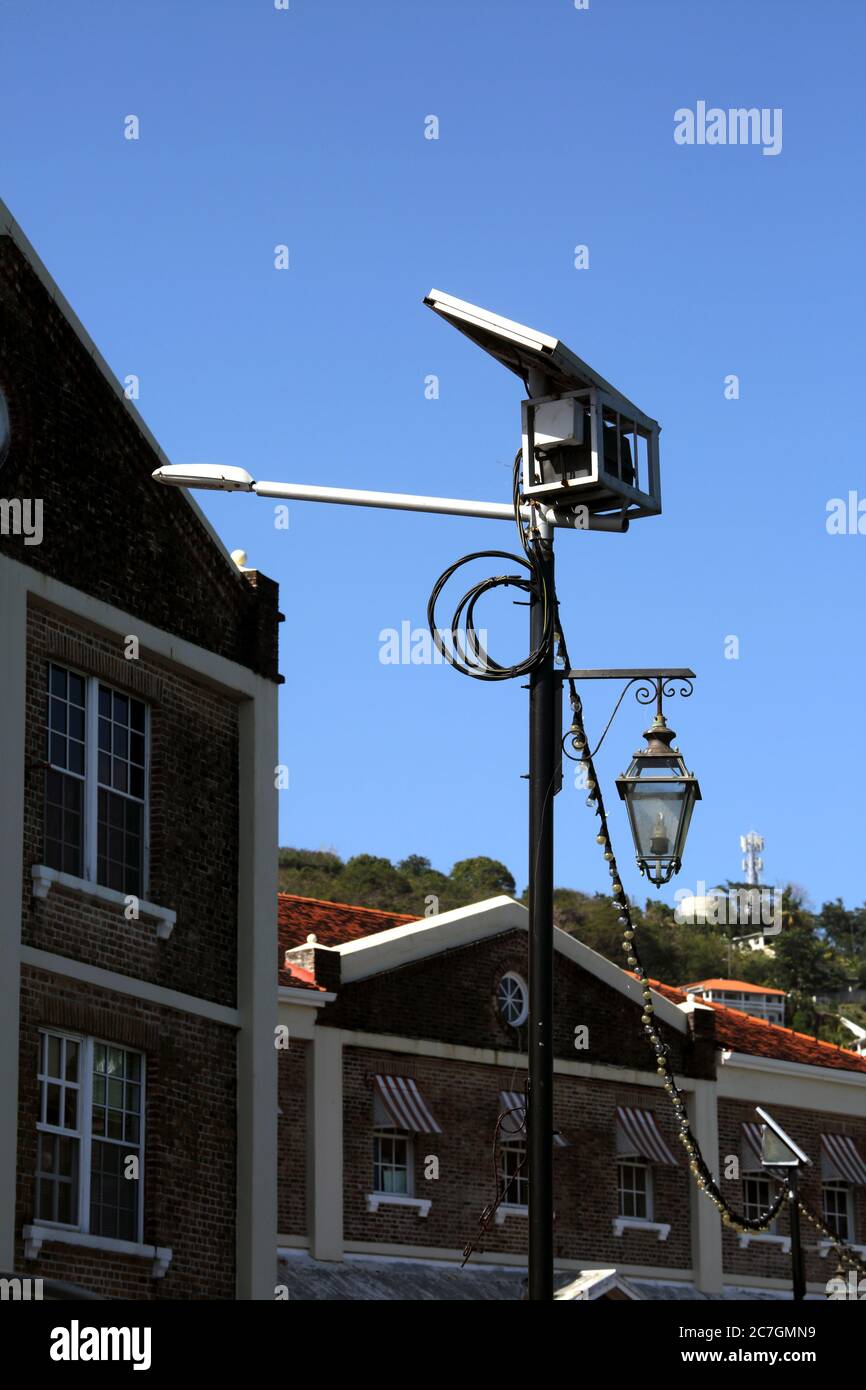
[
  {"x": 656, "y": 767},
  {"x": 691, "y": 797},
  {"x": 656, "y": 812}
]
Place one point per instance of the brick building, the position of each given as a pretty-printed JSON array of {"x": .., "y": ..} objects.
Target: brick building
[
  {"x": 138, "y": 850},
  {"x": 406, "y": 1042}
]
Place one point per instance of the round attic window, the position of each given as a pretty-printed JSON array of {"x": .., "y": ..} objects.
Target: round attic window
[
  {"x": 513, "y": 997},
  {"x": 4, "y": 427}
]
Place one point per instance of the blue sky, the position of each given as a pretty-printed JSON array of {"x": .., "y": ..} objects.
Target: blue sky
[{"x": 305, "y": 127}]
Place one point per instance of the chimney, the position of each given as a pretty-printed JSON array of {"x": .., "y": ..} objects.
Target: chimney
[
  {"x": 323, "y": 962},
  {"x": 702, "y": 1035}
]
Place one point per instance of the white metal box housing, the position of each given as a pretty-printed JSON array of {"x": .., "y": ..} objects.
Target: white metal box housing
[{"x": 591, "y": 448}]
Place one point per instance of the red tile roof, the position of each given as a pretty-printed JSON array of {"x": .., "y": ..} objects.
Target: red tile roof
[
  {"x": 732, "y": 986},
  {"x": 743, "y": 1032},
  {"x": 296, "y": 977},
  {"x": 331, "y": 923}
]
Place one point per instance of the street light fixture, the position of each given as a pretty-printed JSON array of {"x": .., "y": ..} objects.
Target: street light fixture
[
  {"x": 589, "y": 460},
  {"x": 218, "y": 477},
  {"x": 212, "y": 476},
  {"x": 660, "y": 795},
  {"x": 658, "y": 790},
  {"x": 778, "y": 1150}
]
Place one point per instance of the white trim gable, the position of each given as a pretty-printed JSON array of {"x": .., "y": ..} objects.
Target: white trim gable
[
  {"x": 387, "y": 950},
  {"x": 430, "y": 936}
]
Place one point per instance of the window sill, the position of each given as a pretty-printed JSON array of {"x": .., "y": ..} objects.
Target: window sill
[
  {"x": 44, "y": 878},
  {"x": 747, "y": 1238},
  {"x": 824, "y": 1248},
  {"x": 660, "y": 1229},
  {"x": 36, "y": 1236},
  {"x": 375, "y": 1200},
  {"x": 509, "y": 1209}
]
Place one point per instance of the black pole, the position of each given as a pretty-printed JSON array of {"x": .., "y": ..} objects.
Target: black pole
[
  {"x": 542, "y": 746},
  {"x": 797, "y": 1265}
]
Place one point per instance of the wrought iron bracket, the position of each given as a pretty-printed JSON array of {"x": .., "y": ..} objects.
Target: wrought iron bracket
[{"x": 654, "y": 684}]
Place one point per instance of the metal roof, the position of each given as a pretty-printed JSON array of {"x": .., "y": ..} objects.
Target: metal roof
[{"x": 378, "y": 1280}]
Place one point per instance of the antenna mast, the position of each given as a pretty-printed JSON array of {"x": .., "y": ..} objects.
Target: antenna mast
[{"x": 752, "y": 845}]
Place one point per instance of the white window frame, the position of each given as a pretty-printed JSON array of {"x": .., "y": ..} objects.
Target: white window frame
[
  {"x": 60, "y": 1131},
  {"x": 512, "y": 1203},
  {"x": 634, "y": 1161},
  {"x": 761, "y": 1175},
  {"x": 84, "y": 1134},
  {"x": 381, "y": 1133},
  {"x": 90, "y": 778},
  {"x": 524, "y": 1013},
  {"x": 839, "y": 1184}
]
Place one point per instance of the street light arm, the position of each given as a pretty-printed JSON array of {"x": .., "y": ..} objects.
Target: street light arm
[
  {"x": 215, "y": 476},
  {"x": 389, "y": 501}
]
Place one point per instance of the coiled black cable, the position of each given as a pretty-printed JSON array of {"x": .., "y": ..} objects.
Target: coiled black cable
[{"x": 466, "y": 653}]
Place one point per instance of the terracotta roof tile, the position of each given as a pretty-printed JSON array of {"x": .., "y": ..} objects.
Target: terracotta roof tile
[
  {"x": 332, "y": 923},
  {"x": 742, "y": 1032}
]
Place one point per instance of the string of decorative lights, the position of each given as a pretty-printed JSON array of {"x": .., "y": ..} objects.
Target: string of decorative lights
[
  {"x": 697, "y": 1164},
  {"x": 843, "y": 1249},
  {"x": 473, "y": 660}
]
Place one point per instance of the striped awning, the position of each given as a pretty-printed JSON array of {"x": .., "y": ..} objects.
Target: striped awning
[
  {"x": 638, "y": 1133},
  {"x": 841, "y": 1160},
  {"x": 512, "y": 1105},
  {"x": 403, "y": 1106},
  {"x": 751, "y": 1149}
]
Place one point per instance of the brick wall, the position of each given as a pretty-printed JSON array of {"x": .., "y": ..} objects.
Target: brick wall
[
  {"x": 452, "y": 998},
  {"x": 464, "y": 1100},
  {"x": 193, "y": 826},
  {"x": 190, "y": 1141},
  {"x": 805, "y": 1128},
  {"x": 110, "y": 531},
  {"x": 292, "y": 1139}
]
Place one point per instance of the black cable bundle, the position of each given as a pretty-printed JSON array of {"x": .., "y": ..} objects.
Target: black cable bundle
[{"x": 473, "y": 659}]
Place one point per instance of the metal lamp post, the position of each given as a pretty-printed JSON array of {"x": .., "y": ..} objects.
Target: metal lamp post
[
  {"x": 589, "y": 462},
  {"x": 778, "y": 1150}
]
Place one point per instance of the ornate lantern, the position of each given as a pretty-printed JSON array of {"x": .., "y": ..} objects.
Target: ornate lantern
[{"x": 660, "y": 794}]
